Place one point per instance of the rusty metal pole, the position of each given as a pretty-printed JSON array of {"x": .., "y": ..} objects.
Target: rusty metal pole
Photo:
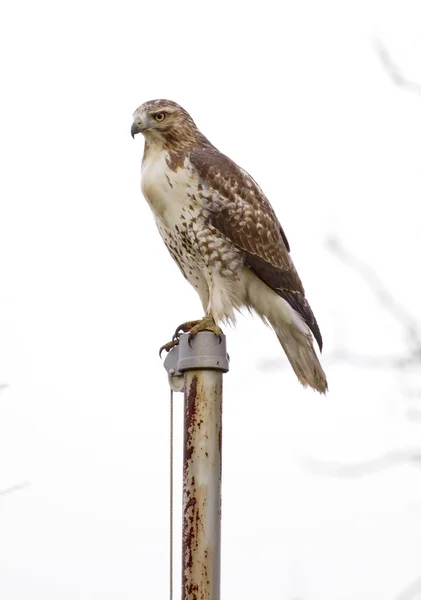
[{"x": 203, "y": 363}]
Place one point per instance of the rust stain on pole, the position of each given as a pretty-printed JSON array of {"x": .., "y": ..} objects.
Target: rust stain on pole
[{"x": 202, "y": 485}]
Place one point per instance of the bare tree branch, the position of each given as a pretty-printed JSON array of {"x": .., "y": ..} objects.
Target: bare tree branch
[
  {"x": 413, "y": 414},
  {"x": 393, "y": 70},
  {"x": 411, "y": 328},
  {"x": 413, "y": 592},
  {"x": 353, "y": 359},
  {"x": 367, "y": 361},
  {"x": 385, "y": 298},
  {"x": 14, "y": 488},
  {"x": 410, "y": 325},
  {"x": 366, "y": 467}
]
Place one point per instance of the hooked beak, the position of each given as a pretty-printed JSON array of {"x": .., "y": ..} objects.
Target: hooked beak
[{"x": 135, "y": 129}]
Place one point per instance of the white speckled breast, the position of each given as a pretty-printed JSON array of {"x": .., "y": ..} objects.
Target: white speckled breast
[{"x": 200, "y": 250}]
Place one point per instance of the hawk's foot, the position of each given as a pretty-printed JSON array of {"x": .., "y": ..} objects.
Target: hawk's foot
[
  {"x": 192, "y": 328},
  {"x": 206, "y": 324},
  {"x": 185, "y": 328},
  {"x": 168, "y": 346}
]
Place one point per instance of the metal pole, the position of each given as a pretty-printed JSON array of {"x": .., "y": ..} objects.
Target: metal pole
[
  {"x": 203, "y": 361},
  {"x": 201, "y": 554}
]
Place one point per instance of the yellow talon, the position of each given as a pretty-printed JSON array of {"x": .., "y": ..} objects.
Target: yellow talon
[{"x": 192, "y": 328}]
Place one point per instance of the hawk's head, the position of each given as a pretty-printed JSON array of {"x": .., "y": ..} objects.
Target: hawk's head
[{"x": 164, "y": 121}]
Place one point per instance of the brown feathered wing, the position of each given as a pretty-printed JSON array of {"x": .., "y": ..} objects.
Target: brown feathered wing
[{"x": 241, "y": 211}]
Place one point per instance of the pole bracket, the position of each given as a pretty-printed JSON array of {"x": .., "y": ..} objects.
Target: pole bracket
[{"x": 204, "y": 351}]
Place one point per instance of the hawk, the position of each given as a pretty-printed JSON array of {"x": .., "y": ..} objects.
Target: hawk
[{"x": 221, "y": 230}]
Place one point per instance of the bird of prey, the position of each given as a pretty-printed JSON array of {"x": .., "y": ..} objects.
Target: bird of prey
[{"x": 221, "y": 230}]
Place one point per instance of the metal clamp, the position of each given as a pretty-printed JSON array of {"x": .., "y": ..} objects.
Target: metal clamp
[{"x": 205, "y": 351}]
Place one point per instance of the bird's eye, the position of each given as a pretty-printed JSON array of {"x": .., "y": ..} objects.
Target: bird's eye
[{"x": 159, "y": 117}]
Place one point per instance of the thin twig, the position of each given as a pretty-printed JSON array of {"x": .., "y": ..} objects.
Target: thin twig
[
  {"x": 412, "y": 592},
  {"x": 393, "y": 70},
  {"x": 353, "y": 359},
  {"x": 375, "y": 284},
  {"x": 367, "y": 467},
  {"x": 14, "y": 488}
]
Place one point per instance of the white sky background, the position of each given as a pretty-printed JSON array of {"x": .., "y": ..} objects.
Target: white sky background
[{"x": 293, "y": 92}]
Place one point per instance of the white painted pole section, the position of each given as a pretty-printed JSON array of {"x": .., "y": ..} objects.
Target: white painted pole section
[{"x": 201, "y": 553}]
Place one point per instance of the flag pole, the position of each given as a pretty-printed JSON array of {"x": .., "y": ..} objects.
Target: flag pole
[{"x": 203, "y": 362}]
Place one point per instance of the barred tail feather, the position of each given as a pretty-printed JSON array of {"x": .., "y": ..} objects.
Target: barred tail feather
[
  {"x": 300, "y": 352},
  {"x": 292, "y": 328}
]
